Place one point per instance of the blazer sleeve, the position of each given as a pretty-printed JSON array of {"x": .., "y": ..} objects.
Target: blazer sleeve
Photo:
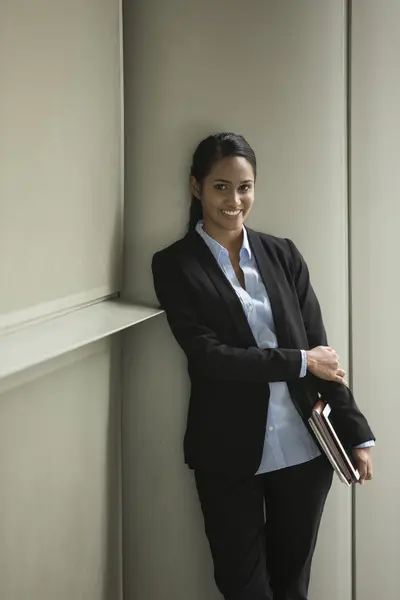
[
  {"x": 207, "y": 356},
  {"x": 350, "y": 422}
]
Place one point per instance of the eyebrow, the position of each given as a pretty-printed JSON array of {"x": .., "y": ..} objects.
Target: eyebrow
[{"x": 227, "y": 181}]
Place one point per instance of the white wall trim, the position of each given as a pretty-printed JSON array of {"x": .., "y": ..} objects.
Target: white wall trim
[
  {"x": 38, "y": 343},
  {"x": 48, "y": 310}
]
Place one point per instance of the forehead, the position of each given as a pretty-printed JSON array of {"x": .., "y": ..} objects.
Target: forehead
[{"x": 232, "y": 168}]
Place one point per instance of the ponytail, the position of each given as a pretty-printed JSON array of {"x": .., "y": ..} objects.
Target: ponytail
[{"x": 195, "y": 213}]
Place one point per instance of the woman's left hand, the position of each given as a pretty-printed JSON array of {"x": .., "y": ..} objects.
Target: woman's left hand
[{"x": 363, "y": 459}]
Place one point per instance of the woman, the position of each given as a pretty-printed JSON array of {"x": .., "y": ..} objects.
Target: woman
[{"x": 241, "y": 306}]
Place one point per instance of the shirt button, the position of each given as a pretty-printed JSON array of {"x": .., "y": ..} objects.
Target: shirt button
[{"x": 270, "y": 428}]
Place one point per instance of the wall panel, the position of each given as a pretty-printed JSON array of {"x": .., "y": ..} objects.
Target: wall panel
[
  {"x": 60, "y": 481},
  {"x": 274, "y": 71},
  {"x": 60, "y": 151},
  {"x": 375, "y": 224}
]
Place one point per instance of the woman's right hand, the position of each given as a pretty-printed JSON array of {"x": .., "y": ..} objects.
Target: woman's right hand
[{"x": 323, "y": 362}]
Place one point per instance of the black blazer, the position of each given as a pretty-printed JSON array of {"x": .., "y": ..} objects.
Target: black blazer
[{"x": 229, "y": 374}]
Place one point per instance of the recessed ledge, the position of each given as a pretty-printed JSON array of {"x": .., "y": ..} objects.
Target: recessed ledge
[{"x": 38, "y": 343}]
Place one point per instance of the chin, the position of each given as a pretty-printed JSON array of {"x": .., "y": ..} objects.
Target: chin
[{"x": 232, "y": 224}]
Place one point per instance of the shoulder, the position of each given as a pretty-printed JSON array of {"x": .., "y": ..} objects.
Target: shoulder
[
  {"x": 172, "y": 255},
  {"x": 284, "y": 250},
  {"x": 273, "y": 243}
]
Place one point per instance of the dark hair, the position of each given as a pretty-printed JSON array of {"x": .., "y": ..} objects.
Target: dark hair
[{"x": 207, "y": 153}]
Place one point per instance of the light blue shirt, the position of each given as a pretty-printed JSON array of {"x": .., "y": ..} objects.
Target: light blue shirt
[{"x": 287, "y": 440}]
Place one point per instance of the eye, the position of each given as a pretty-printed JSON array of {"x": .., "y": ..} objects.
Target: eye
[
  {"x": 220, "y": 186},
  {"x": 245, "y": 187}
]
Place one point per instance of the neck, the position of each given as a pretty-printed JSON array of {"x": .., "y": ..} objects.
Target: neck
[{"x": 231, "y": 240}]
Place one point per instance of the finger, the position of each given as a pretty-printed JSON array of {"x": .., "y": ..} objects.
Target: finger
[
  {"x": 339, "y": 379},
  {"x": 362, "y": 469},
  {"x": 370, "y": 470}
]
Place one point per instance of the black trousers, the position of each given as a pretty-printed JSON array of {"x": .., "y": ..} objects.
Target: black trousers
[{"x": 263, "y": 529}]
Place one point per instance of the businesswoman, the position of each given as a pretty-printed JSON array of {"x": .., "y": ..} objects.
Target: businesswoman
[{"x": 241, "y": 306}]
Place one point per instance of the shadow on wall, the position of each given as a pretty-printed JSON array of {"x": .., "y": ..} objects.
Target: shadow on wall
[
  {"x": 113, "y": 551},
  {"x": 164, "y": 546},
  {"x": 153, "y": 219}
]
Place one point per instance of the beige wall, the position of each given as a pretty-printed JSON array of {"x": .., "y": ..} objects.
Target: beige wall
[
  {"x": 375, "y": 203},
  {"x": 59, "y": 480},
  {"x": 274, "y": 71},
  {"x": 60, "y": 150},
  {"x": 60, "y": 246}
]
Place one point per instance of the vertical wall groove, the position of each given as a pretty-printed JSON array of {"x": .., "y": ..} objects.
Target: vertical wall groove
[{"x": 348, "y": 26}]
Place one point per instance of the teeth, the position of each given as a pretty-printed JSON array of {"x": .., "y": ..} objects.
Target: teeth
[{"x": 232, "y": 213}]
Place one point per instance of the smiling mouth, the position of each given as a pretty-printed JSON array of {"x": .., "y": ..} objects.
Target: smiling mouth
[{"x": 232, "y": 213}]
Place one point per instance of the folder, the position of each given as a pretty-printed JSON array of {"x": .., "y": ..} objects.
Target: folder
[{"x": 330, "y": 443}]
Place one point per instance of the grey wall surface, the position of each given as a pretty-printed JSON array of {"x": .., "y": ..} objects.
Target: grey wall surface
[
  {"x": 59, "y": 480},
  {"x": 274, "y": 71},
  {"x": 375, "y": 221},
  {"x": 60, "y": 150},
  {"x": 60, "y": 236}
]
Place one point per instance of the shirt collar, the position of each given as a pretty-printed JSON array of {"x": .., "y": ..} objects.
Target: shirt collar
[{"x": 218, "y": 250}]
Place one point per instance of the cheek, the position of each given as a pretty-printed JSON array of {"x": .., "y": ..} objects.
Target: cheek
[
  {"x": 211, "y": 200},
  {"x": 248, "y": 200}
]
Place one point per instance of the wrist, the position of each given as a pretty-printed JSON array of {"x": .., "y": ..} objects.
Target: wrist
[{"x": 311, "y": 362}]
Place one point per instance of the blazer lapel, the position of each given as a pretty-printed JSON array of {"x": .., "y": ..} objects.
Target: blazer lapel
[
  {"x": 228, "y": 295},
  {"x": 271, "y": 273}
]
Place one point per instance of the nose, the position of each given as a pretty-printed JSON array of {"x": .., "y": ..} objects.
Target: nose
[{"x": 235, "y": 199}]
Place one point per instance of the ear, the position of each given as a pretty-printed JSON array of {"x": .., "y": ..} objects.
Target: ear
[{"x": 195, "y": 188}]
